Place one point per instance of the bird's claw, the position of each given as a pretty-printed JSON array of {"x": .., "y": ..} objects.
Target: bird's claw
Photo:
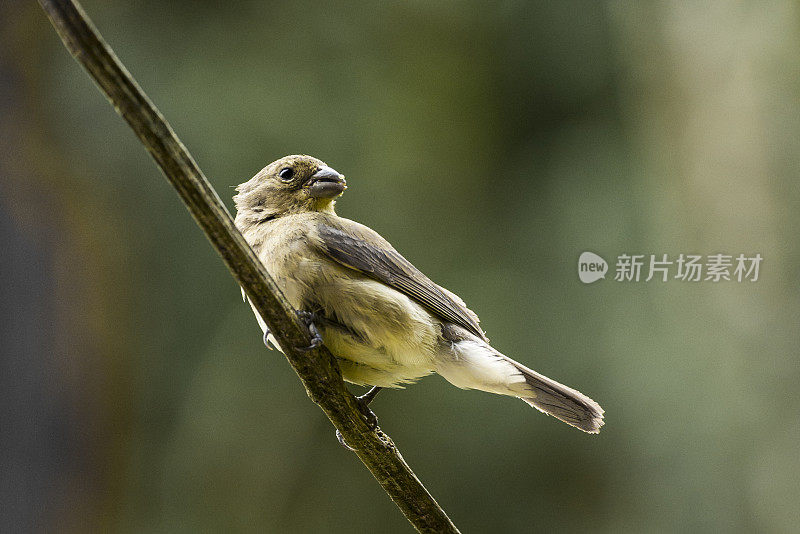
[
  {"x": 369, "y": 416},
  {"x": 363, "y": 405},
  {"x": 266, "y": 338},
  {"x": 316, "y": 338},
  {"x": 342, "y": 442}
]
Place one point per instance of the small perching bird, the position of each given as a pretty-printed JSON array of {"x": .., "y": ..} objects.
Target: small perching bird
[{"x": 386, "y": 323}]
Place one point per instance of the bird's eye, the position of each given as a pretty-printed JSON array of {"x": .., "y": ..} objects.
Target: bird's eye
[{"x": 286, "y": 174}]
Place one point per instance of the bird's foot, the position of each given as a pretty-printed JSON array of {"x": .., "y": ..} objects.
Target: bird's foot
[
  {"x": 316, "y": 339},
  {"x": 369, "y": 416},
  {"x": 363, "y": 405}
]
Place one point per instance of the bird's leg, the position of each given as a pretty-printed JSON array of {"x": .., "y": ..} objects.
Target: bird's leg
[
  {"x": 363, "y": 405},
  {"x": 308, "y": 318},
  {"x": 369, "y": 416}
]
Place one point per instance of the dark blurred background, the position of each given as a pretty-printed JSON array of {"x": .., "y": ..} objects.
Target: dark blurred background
[{"x": 492, "y": 144}]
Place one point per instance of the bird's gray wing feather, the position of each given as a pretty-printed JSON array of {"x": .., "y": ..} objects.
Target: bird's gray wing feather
[{"x": 358, "y": 247}]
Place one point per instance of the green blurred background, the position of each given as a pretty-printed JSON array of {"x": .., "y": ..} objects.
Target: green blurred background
[{"x": 491, "y": 144}]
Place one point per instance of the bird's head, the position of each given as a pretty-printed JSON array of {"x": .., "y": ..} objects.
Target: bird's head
[{"x": 292, "y": 184}]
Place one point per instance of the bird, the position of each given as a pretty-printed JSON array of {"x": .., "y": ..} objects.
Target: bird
[{"x": 386, "y": 323}]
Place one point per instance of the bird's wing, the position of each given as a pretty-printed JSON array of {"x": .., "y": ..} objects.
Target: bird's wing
[{"x": 358, "y": 247}]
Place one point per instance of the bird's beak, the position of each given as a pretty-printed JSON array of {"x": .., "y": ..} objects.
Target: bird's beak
[{"x": 326, "y": 183}]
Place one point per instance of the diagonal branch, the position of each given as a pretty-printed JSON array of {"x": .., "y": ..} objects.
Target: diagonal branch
[{"x": 317, "y": 369}]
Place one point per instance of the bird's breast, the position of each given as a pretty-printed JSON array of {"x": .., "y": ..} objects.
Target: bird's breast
[{"x": 380, "y": 327}]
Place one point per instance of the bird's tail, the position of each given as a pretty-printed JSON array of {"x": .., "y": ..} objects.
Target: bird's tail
[
  {"x": 560, "y": 401},
  {"x": 477, "y": 365}
]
